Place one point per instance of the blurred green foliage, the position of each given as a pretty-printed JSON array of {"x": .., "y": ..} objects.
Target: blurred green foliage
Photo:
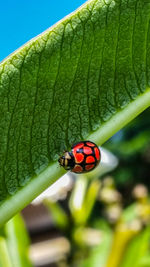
[
  {"x": 109, "y": 235},
  {"x": 132, "y": 146},
  {"x": 14, "y": 244}
]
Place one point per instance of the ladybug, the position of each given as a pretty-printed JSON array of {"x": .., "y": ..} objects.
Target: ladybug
[{"x": 83, "y": 157}]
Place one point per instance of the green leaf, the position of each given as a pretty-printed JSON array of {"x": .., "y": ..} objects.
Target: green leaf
[
  {"x": 18, "y": 242},
  {"x": 58, "y": 214},
  {"x": 139, "y": 244},
  {"x": 84, "y": 78},
  {"x": 4, "y": 255},
  {"x": 14, "y": 244}
]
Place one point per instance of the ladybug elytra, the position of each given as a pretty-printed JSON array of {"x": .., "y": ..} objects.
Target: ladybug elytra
[{"x": 83, "y": 157}]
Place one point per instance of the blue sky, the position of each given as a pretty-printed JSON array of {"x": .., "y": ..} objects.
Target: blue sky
[{"x": 22, "y": 20}]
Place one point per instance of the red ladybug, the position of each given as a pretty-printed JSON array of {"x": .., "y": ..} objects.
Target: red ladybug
[{"x": 84, "y": 157}]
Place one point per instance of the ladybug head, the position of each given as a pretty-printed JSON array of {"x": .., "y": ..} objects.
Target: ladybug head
[{"x": 66, "y": 161}]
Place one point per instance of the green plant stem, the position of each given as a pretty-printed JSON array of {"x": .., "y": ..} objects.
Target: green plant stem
[
  {"x": 119, "y": 245},
  {"x": 57, "y": 212},
  {"x": 4, "y": 255}
]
